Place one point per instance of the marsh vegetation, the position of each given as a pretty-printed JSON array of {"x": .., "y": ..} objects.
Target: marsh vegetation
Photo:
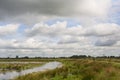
[
  {"x": 14, "y": 66},
  {"x": 72, "y": 69},
  {"x": 80, "y": 69}
]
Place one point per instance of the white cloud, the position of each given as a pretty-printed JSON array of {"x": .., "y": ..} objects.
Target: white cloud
[
  {"x": 94, "y": 36},
  {"x": 29, "y": 43},
  {"x": 46, "y": 30},
  {"x": 8, "y": 29},
  {"x": 103, "y": 29},
  {"x": 93, "y": 8},
  {"x": 56, "y": 30},
  {"x": 106, "y": 34},
  {"x": 60, "y": 29}
]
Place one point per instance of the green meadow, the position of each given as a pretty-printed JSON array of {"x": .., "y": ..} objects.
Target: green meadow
[{"x": 79, "y": 69}]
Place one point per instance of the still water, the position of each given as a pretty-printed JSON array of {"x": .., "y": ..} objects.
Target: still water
[{"x": 13, "y": 74}]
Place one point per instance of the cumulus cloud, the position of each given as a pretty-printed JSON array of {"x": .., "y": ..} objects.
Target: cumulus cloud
[
  {"x": 105, "y": 42},
  {"x": 8, "y": 29},
  {"x": 29, "y": 43},
  {"x": 60, "y": 28},
  {"x": 52, "y": 49},
  {"x": 95, "y": 34},
  {"x": 56, "y": 30},
  {"x": 103, "y": 29},
  {"x": 110, "y": 40},
  {"x": 73, "y": 34},
  {"x": 44, "y": 29},
  {"x": 106, "y": 34}
]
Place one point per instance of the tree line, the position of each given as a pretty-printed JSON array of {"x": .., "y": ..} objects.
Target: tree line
[{"x": 70, "y": 57}]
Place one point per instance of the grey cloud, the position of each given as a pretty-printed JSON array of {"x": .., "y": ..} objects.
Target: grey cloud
[
  {"x": 105, "y": 43},
  {"x": 14, "y": 8},
  {"x": 110, "y": 40},
  {"x": 18, "y": 7},
  {"x": 69, "y": 40},
  {"x": 36, "y": 10}
]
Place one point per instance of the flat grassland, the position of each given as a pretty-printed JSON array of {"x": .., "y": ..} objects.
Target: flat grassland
[
  {"x": 79, "y": 69},
  {"x": 18, "y": 64}
]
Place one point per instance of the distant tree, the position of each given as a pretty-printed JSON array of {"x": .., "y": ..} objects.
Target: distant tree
[
  {"x": 8, "y": 57},
  {"x": 26, "y": 57},
  {"x": 17, "y": 57},
  {"x": 78, "y": 56}
]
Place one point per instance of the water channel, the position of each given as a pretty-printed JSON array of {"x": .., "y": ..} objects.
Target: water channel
[{"x": 13, "y": 74}]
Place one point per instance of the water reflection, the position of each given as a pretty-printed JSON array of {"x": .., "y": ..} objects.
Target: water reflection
[
  {"x": 13, "y": 74},
  {"x": 15, "y": 62}
]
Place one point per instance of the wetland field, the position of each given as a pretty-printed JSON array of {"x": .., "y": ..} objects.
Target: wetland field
[{"x": 60, "y": 69}]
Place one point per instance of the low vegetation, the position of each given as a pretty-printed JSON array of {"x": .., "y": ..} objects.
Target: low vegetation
[
  {"x": 80, "y": 69},
  {"x": 4, "y": 67},
  {"x": 25, "y": 60}
]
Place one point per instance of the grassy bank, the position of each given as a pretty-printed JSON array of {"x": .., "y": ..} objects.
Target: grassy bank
[
  {"x": 4, "y": 67},
  {"x": 26, "y": 60},
  {"x": 80, "y": 69}
]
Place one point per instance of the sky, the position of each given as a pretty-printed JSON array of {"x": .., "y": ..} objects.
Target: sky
[{"x": 58, "y": 28}]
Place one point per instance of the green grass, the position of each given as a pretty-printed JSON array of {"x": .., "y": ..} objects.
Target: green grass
[
  {"x": 4, "y": 67},
  {"x": 26, "y": 60},
  {"x": 79, "y": 69}
]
